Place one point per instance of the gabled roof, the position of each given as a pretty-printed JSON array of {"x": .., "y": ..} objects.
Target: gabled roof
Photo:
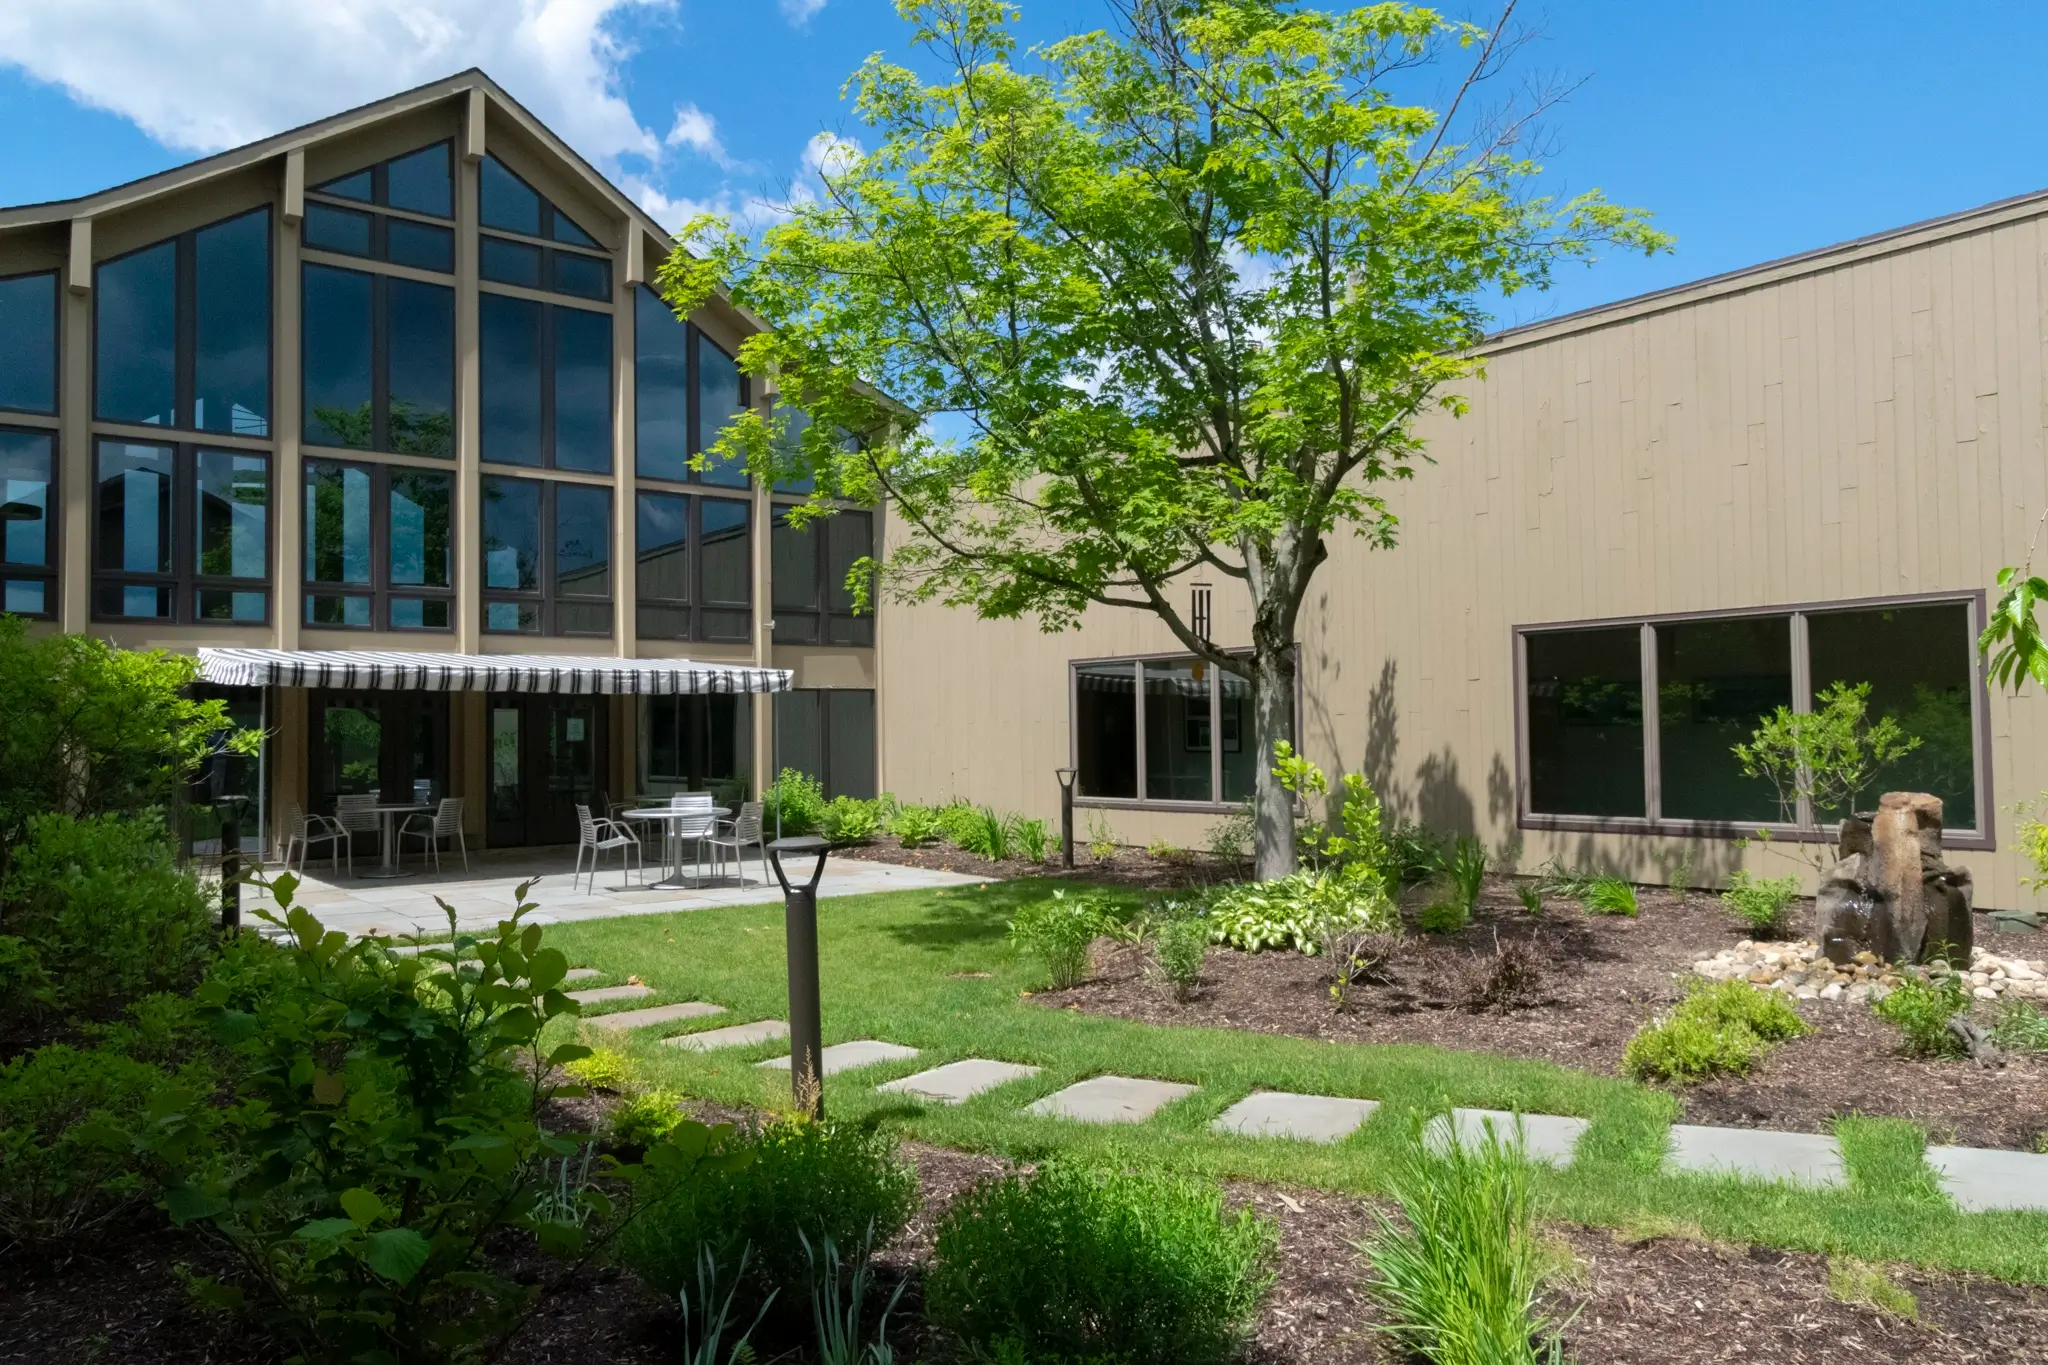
[{"x": 255, "y": 153}]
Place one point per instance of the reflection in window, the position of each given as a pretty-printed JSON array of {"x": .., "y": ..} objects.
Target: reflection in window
[
  {"x": 510, "y": 347},
  {"x": 661, "y": 547},
  {"x": 700, "y": 744},
  {"x": 144, "y": 494},
  {"x": 511, "y": 526},
  {"x": 661, "y": 389},
  {"x": 720, "y": 399},
  {"x": 583, "y": 389},
  {"x": 421, "y": 548},
  {"x": 231, "y": 295},
  {"x": 1106, "y": 729},
  {"x": 28, "y": 343},
  {"x": 421, "y": 340},
  {"x": 135, "y": 337},
  {"x": 1239, "y": 757},
  {"x": 352, "y": 748},
  {"x": 26, "y": 467},
  {"x": 135, "y": 508},
  {"x": 829, "y": 734},
  {"x": 1585, "y": 707},
  {"x": 1715, "y": 681},
  {"x": 1917, "y": 662},
  {"x": 584, "y": 276},
  {"x": 327, "y": 228},
  {"x": 583, "y": 549},
  {"x": 728, "y": 553},
  {"x": 809, "y": 571},
  {"x": 506, "y": 201},
  {"x": 344, "y": 309},
  {"x": 509, "y": 262},
  {"x": 336, "y": 355},
  {"x": 422, "y": 182},
  {"x": 232, "y": 522},
  {"x": 420, "y": 245},
  {"x": 1178, "y": 744},
  {"x": 708, "y": 599}
]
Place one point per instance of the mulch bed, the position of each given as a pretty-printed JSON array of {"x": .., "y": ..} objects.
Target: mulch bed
[
  {"x": 1653, "y": 1301},
  {"x": 1136, "y": 868},
  {"x": 1603, "y": 978}
]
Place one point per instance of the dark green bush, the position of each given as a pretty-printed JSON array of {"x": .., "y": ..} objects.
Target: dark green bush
[
  {"x": 1078, "y": 1263},
  {"x": 25, "y": 988},
  {"x": 803, "y": 1180},
  {"x": 1414, "y": 854},
  {"x": 67, "y": 1163},
  {"x": 1921, "y": 1010},
  {"x": 106, "y": 908},
  {"x": 1719, "y": 1029},
  {"x": 797, "y": 800}
]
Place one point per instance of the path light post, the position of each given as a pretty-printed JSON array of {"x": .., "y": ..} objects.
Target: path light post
[
  {"x": 806, "y": 1027},
  {"x": 1066, "y": 777}
]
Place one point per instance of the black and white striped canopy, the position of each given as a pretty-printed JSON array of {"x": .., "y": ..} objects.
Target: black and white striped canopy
[{"x": 390, "y": 671}]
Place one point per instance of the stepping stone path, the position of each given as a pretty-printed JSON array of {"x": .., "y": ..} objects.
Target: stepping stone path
[
  {"x": 1980, "y": 1180},
  {"x": 581, "y": 974},
  {"x": 958, "y": 1082},
  {"x": 602, "y": 994},
  {"x": 851, "y": 1056},
  {"x": 1310, "y": 1118},
  {"x": 1805, "y": 1158},
  {"x": 735, "y": 1035},
  {"x": 1109, "y": 1099},
  {"x": 1548, "y": 1138},
  {"x": 654, "y": 1014}
]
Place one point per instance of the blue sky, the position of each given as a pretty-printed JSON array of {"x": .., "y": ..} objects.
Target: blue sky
[{"x": 1752, "y": 130}]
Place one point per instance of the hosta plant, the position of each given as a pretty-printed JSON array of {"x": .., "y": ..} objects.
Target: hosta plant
[{"x": 1296, "y": 911}]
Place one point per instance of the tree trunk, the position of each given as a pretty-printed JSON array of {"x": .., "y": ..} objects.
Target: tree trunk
[{"x": 1273, "y": 683}]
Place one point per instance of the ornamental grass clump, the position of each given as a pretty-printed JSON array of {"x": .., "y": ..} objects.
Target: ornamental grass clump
[
  {"x": 1059, "y": 932},
  {"x": 1921, "y": 1011},
  {"x": 1460, "y": 1276},
  {"x": 1078, "y": 1263},
  {"x": 1722, "y": 1029},
  {"x": 1609, "y": 896},
  {"x": 1764, "y": 904}
]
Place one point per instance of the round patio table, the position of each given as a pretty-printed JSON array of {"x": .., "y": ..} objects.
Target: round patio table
[
  {"x": 672, "y": 820},
  {"x": 388, "y": 864}
]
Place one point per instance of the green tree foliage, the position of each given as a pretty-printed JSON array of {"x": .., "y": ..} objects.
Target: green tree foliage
[
  {"x": 1823, "y": 760},
  {"x": 1181, "y": 290}
]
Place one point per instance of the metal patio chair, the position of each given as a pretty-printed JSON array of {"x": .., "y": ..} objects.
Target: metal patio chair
[
  {"x": 740, "y": 832},
  {"x": 306, "y": 830},
  {"x": 356, "y": 814},
  {"x": 444, "y": 823},
  {"x": 598, "y": 837}
]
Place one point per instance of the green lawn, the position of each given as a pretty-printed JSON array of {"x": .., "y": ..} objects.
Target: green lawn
[{"x": 892, "y": 968}]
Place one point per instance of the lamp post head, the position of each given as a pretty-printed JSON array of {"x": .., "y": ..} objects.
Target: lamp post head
[
  {"x": 808, "y": 844},
  {"x": 1066, "y": 777}
]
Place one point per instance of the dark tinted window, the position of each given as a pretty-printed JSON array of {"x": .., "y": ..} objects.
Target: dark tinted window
[
  {"x": 422, "y": 183},
  {"x": 421, "y": 319},
  {"x": 231, "y": 299},
  {"x": 849, "y": 539},
  {"x": 337, "y": 511},
  {"x": 661, "y": 543},
  {"x": 25, "y": 483},
  {"x": 421, "y": 546},
  {"x": 232, "y": 517},
  {"x": 511, "y": 379},
  {"x": 356, "y": 186},
  {"x": 583, "y": 389},
  {"x": 1234, "y": 723},
  {"x": 728, "y": 554},
  {"x": 135, "y": 509},
  {"x": 135, "y": 333},
  {"x": 1715, "y": 681},
  {"x": 507, "y": 201},
  {"x": 1917, "y": 662},
  {"x": 1586, "y": 722},
  {"x": 793, "y": 567},
  {"x": 566, "y": 231},
  {"x": 1106, "y": 729},
  {"x": 718, "y": 402},
  {"x": 335, "y": 340},
  {"x": 421, "y": 245},
  {"x": 584, "y": 276},
  {"x": 327, "y": 228},
  {"x": 28, "y": 343},
  {"x": 850, "y": 743},
  {"x": 509, "y": 262},
  {"x": 661, "y": 389},
  {"x": 511, "y": 527},
  {"x": 583, "y": 540}
]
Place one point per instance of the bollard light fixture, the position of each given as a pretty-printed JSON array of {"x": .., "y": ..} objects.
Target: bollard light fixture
[
  {"x": 1066, "y": 777},
  {"x": 800, "y": 932}
]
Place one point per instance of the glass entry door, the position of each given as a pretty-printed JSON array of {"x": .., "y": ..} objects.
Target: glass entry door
[{"x": 547, "y": 757}]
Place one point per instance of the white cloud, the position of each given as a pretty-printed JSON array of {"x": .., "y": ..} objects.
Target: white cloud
[
  {"x": 201, "y": 75},
  {"x": 698, "y": 131},
  {"x": 747, "y": 212},
  {"x": 799, "y": 12},
  {"x": 827, "y": 154}
]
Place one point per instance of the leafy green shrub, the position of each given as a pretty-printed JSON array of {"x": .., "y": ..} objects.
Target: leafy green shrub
[
  {"x": 798, "y": 799},
  {"x": 850, "y": 820},
  {"x": 1443, "y": 917},
  {"x": 604, "y": 1069},
  {"x": 1719, "y": 1029},
  {"x": 381, "y": 1135},
  {"x": 2020, "y": 1027},
  {"x": 1460, "y": 1276},
  {"x": 25, "y": 987},
  {"x": 1609, "y": 896},
  {"x": 976, "y": 829},
  {"x": 1466, "y": 873},
  {"x": 1030, "y": 838},
  {"x": 641, "y": 1120},
  {"x": 1531, "y": 897},
  {"x": 1081, "y": 1264},
  {"x": 915, "y": 826},
  {"x": 1103, "y": 840},
  {"x": 1762, "y": 903},
  {"x": 1414, "y": 855},
  {"x": 106, "y": 909},
  {"x": 67, "y": 1165},
  {"x": 1232, "y": 837},
  {"x": 1921, "y": 1010},
  {"x": 804, "y": 1181},
  {"x": 959, "y": 823},
  {"x": 1179, "y": 950},
  {"x": 1059, "y": 933},
  {"x": 1295, "y": 911}
]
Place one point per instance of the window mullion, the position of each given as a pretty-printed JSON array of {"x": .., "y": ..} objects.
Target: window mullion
[
  {"x": 1215, "y": 733},
  {"x": 1653, "y": 778},
  {"x": 1802, "y": 702},
  {"x": 1140, "y": 788}
]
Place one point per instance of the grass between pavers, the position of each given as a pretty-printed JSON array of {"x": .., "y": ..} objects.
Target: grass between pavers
[{"x": 892, "y": 965}]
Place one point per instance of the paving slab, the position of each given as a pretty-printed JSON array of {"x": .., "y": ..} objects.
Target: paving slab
[
  {"x": 1804, "y": 1158},
  {"x": 654, "y": 1014},
  {"x": 1310, "y": 1118},
  {"x": 602, "y": 994},
  {"x": 1548, "y": 1138},
  {"x": 1109, "y": 1099},
  {"x": 852, "y": 1056},
  {"x": 733, "y": 1035},
  {"x": 959, "y": 1082},
  {"x": 1980, "y": 1179}
]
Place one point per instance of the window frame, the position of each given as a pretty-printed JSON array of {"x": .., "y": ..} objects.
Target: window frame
[
  {"x": 185, "y": 331},
  {"x": 55, "y": 278},
  {"x": 1137, "y": 664},
  {"x": 822, "y": 616},
  {"x": 380, "y": 355},
  {"x": 49, "y": 574},
  {"x": 545, "y": 337},
  {"x": 184, "y": 579},
  {"x": 549, "y": 244},
  {"x": 1982, "y": 839},
  {"x": 546, "y": 598},
  {"x": 381, "y": 590},
  {"x": 694, "y": 604},
  {"x": 380, "y": 186}
]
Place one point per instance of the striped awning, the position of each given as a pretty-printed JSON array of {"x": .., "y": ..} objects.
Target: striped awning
[{"x": 392, "y": 671}]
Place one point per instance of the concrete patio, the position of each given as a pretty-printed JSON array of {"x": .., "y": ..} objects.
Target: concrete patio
[{"x": 485, "y": 894}]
